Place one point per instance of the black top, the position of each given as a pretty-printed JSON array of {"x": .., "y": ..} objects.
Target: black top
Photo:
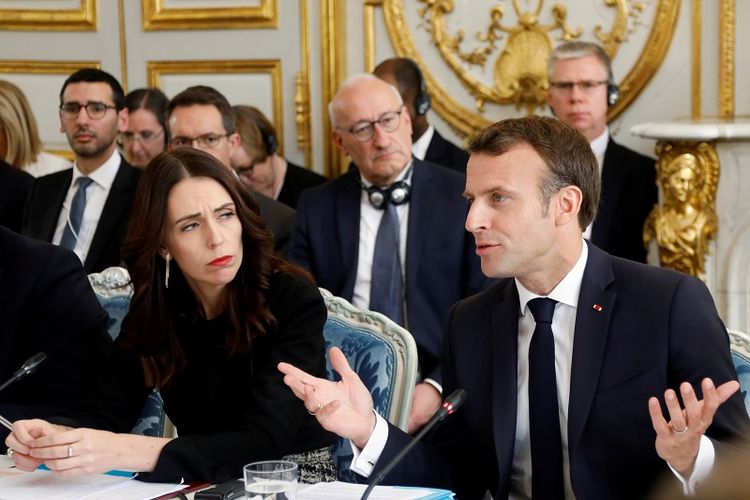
[
  {"x": 15, "y": 188},
  {"x": 230, "y": 411},
  {"x": 296, "y": 180}
]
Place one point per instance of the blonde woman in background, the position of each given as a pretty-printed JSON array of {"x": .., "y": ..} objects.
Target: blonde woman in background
[{"x": 20, "y": 145}]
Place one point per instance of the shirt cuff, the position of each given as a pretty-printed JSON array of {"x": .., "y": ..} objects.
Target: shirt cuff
[
  {"x": 434, "y": 384},
  {"x": 704, "y": 463},
  {"x": 364, "y": 460}
]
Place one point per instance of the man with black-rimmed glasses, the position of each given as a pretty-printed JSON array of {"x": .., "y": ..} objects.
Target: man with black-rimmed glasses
[
  {"x": 201, "y": 117},
  {"x": 87, "y": 207}
]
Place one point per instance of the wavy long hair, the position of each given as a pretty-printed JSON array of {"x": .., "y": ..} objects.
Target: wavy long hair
[{"x": 149, "y": 330}]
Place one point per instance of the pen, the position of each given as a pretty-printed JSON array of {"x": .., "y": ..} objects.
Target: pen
[{"x": 6, "y": 423}]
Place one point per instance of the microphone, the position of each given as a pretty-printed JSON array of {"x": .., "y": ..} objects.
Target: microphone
[
  {"x": 450, "y": 405},
  {"x": 29, "y": 366}
]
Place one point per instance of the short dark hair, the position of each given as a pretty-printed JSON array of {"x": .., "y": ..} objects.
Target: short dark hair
[
  {"x": 150, "y": 99},
  {"x": 255, "y": 131},
  {"x": 93, "y": 75},
  {"x": 563, "y": 149},
  {"x": 404, "y": 71},
  {"x": 204, "y": 95}
]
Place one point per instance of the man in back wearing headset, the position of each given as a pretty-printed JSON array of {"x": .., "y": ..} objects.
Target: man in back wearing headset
[
  {"x": 581, "y": 89},
  {"x": 428, "y": 144},
  {"x": 389, "y": 234}
]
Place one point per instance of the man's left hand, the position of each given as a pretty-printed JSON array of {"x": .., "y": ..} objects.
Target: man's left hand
[
  {"x": 678, "y": 440},
  {"x": 425, "y": 403}
]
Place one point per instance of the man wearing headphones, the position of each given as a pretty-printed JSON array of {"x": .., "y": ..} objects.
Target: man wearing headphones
[
  {"x": 581, "y": 88},
  {"x": 428, "y": 144},
  {"x": 389, "y": 234}
]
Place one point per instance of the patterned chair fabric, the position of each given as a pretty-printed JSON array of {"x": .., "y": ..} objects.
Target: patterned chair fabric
[
  {"x": 740, "y": 346},
  {"x": 114, "y": 290},
  {"x": 384, "y": 356}
]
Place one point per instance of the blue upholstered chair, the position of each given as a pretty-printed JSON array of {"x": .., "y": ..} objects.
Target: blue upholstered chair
[
  {"x": 114, "y": 290},
  {"x": 740, "y": 345},
  {"x": 384, "y": 356}
]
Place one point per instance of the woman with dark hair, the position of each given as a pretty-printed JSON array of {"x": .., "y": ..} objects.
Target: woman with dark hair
[
  {"x": 147, "y": 133},
  {"x": 213, "y": 313}
]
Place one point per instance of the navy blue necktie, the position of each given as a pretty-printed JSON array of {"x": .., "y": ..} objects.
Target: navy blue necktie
[
  {"x": 385, "y": 287},
  {"x": 544, "y": 420},
  {"x": 75, "y": 215}
]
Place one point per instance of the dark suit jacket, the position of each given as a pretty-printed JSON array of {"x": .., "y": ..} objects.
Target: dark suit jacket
[
  {"x": 629, "y": 193},
  {"x": 47, "y": 305},
  {"x": 441, "y": 263},
  {"x": 656, "y": 328},
  {"x": 15, "y": 188},
  {"x": 43, "y": 211},
  {"x": 447, "y": 154},
  {"x": 296, "y": 180},
  {"x": 279, "y": 219}
]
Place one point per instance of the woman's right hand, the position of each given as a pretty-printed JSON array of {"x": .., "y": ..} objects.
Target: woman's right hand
[{"x": 22, "y": 439}]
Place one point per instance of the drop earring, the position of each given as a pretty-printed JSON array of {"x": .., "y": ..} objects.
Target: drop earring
[{"x": 166, "y": 273}]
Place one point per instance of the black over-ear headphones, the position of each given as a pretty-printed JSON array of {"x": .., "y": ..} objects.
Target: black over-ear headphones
[
  {"x": 613, "y": 91},
  {"x": 268, "y": 138},
  {"x": 421, "y": 100},
  {"x": 397, "y": 193}
]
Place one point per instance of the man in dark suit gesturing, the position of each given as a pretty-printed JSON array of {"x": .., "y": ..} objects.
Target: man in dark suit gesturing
[
  {"x": 424, "y": 262},
  {"x": 564, "y": 357},
  {"x": 87, "y": 208},
  {"x": 581, "y": 89}
]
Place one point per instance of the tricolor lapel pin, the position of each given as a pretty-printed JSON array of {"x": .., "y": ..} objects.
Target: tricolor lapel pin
[{"x": 597, "y": 308}]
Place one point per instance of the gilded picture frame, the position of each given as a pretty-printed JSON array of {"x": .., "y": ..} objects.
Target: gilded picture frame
[
  {"x": 82, "y": 18},
  {"x": 155, "y": 70},
  {"x": 159, "y": 15}
]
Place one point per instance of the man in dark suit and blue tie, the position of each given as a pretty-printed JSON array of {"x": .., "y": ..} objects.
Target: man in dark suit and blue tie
[
  {"x": 388, "y": 235},
  {"x": 564, "y": 357},
  {"x": 87, "y": 208}
]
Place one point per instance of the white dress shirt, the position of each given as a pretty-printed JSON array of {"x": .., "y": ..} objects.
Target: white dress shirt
[
  {"x": 421, "y": 145},
  {"x": 369, "y": 221},
  {"x": 96, "y": 197},
  {"x": 563, "y": 328}
]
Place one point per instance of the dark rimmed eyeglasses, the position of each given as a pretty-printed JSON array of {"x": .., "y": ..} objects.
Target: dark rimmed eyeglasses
[
  {"x": 94, "y": 109},
  {"x": 364, "y": 130}
]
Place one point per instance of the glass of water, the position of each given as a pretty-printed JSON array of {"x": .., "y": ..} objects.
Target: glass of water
[{"x": 271, "y": 480}]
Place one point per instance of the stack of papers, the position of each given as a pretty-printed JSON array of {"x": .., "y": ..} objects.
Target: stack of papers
[
  {"x": 45, "y": 484},
  {"x": 348, "y": 491}
]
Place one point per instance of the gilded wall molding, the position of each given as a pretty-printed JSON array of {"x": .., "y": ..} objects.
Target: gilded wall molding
[
  {"x": 46, "y": 67},
  {"x": 155, "y": 70},
  {"x": 302, "y": 117},
  {"x": 369, "y": 32},
  {"x": 123, "y": 45},
  {"x": 333, "y": 35},
  {"x": 465, "y": 120},
  {"x": 686, "y": 221},
  {"x": 80, "y": 19},
  {"x": 726, "y": 58},
  {"x": 158, "y": 15}
]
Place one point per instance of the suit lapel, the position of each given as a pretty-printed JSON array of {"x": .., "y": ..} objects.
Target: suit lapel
[
  {"x": 595, "y": 305},
  {"x": 347, "y": 207},
  {"x": 119, "y": 198},
  {"x": 504, "y": 337},
  {"x": 421, "y": 209},
  {"x": 54, "y": 196}
]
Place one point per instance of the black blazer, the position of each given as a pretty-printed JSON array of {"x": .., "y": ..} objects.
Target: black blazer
[
  {"x": 279, "y": 219},
  {"x": 441, "y": 263},
  {"x": 15, "y": 188},
  {"x": 47, "y": 305},
  {"x": 45, "y": 204},
  {"x": 656, "y": 328},
  {"x": 447, "y": 154},
  {"x": 629, "y": 192},
  {"x": 296, "y": 180}
]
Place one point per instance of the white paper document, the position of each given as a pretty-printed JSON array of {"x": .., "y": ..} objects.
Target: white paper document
[
  {"x": 348, "y": 491},
  {"x": 44, "y": 484}
]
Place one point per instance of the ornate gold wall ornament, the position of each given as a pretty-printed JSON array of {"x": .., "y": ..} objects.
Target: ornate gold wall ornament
[
  {"x": 302, "y": 87},
  {"x": 80, "y": 19},
  {"x": 686, "y": 221},
  {"x": 333, "y": 34},
  {"x": 465, "y": 120},
  {"x": 158, "y": 15},
  {"x": 726, "y": 59}
]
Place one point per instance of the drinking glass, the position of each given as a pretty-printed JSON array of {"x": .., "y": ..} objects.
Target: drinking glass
[{"x": 271, "y": 480}]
